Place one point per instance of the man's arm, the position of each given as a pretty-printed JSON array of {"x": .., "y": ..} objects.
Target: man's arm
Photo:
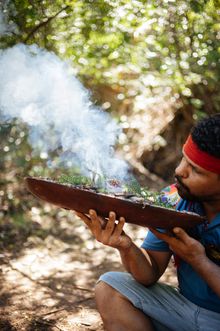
[
  {"x": 193, "y": 252},
  {"x": 209, "y": 271},
  {"x": 145, "y": 266}
]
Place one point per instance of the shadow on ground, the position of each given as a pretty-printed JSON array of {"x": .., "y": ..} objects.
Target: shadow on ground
[{"x": 48, "y": 282}]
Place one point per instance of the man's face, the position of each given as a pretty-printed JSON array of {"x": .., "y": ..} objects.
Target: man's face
[{"x": 195, "y": 183}]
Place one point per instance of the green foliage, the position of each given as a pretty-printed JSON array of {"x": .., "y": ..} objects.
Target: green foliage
[
  {"x": 106, "y": 186},
  {"x": 75, "y": 180},
  {"x": 137, "y": 49},
  {"x": 146, "y": 194},
  {"x": 177, "y": 42}
]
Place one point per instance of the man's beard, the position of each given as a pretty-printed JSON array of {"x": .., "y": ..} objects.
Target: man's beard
[{"x": 185, "y": 193}]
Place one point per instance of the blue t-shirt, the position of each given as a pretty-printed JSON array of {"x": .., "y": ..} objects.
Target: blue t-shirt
[{"x": 191, "y": 285}]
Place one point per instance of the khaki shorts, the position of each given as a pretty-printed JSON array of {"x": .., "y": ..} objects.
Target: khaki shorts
[{"x": 167, "y": 308}]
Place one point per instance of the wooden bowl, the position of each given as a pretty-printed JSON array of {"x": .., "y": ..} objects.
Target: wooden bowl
[{"x": 73, "y": 198}]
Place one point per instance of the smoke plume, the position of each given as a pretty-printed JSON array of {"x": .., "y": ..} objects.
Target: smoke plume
[
  {"x": 6, "y": 28},
  {"x": 39, "y": 89}
]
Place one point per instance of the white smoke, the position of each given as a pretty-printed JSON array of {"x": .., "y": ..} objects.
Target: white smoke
[
  {"x": 6, "y": 27},
  {"x": 2, "y": 25},
  {"x": 40, "y": 90}
]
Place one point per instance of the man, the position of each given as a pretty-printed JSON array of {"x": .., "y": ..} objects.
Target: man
[{"x": 135, "y": 301}]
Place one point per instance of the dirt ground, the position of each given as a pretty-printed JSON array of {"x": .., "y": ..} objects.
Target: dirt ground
[{"x": 47, "y": 282}]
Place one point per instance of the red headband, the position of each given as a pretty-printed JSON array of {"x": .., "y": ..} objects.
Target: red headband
[{"x": 202, "y": 159}]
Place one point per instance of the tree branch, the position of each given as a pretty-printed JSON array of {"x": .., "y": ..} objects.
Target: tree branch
[{"x": 42, "y": 24}]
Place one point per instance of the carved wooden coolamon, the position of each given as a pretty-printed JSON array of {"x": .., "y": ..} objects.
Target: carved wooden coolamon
[{"x": 74, "y": 198}]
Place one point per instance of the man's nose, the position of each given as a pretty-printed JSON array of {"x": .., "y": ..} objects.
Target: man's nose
[{"x": 182, "y": 169}]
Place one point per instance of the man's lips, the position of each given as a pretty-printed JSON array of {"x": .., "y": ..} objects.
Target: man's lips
[{"x": 180, "y": 185}]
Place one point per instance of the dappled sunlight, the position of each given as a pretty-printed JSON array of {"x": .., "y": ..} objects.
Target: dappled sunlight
[
  {"x": 83, "y": 317},
  {"x": 151, "y": 69},
  {"x": 55, "y": 276}
]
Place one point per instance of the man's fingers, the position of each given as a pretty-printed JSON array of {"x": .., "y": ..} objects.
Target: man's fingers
[
  {"x": 83, "y": 217},
  {"x": 156, "y": 233},
  {"x": 110, "y": 223},
  {"x": 119, "y": 227},
  {"x": 97, "y": 219},
  {"x": 96, "y": 223},
  {"x": 103, "y": 229},
  {"x": 110, "y": 226},
  {"x": 94, "y": 216},
  {"x": 181, "y": 234},
  {"x": 162, "y": 235}
]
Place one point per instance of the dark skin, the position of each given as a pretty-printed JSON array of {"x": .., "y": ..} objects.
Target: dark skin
[
  {"x": 147, "y": 266},
  {"x": 193, "y": 252},
  {"x": 206, "y": 186},
  {"x": 197, "y": 182}
]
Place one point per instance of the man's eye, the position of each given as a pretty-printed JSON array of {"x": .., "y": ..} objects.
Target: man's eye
[{"x": 196, "y": 170}]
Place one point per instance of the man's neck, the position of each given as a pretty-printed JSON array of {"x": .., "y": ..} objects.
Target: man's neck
[{"x": 212, "y": 208}]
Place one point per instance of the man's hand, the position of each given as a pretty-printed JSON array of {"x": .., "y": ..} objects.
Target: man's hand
[
  {"x": 108, "y": 232},
  {"x": 186, "y": 247}
]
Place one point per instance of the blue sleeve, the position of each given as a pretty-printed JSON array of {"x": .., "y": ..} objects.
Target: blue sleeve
[{"x": 152, "y": 243}]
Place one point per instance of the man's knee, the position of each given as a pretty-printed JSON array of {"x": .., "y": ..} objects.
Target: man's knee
[
  {"x": 105, "y": 294},
  {"x": 112, "y": 306}
]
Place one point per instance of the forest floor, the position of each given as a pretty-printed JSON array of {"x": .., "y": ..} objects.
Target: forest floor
[{"x": 47, "y": 278}]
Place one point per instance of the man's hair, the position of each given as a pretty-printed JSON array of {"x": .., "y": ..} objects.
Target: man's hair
[{"x": 206, "y": 134}]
